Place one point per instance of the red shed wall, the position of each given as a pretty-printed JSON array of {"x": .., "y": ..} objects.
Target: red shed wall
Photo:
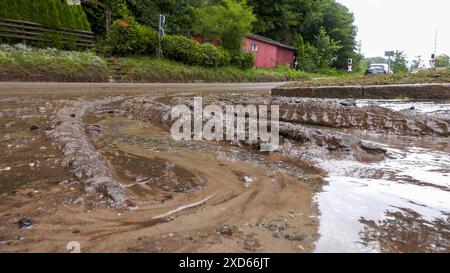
[
  {"x": 266, "y": 56},
  {"x": 285, "y": 56}
]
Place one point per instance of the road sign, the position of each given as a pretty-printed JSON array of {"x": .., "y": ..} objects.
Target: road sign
[
  {"x": 389, "y": 54},
  {"x": 350, "y": 65},
  {"x": 162, "y": 23}
]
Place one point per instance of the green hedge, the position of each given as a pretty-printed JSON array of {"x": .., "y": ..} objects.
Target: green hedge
[
  {"x": 188, "y": 51},
  {"x": 52, "y": 13},
  {"x": 127, "y": 37}
]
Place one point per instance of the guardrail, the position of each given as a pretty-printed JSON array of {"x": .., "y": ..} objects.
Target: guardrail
[{"x": 29, "y": 31}]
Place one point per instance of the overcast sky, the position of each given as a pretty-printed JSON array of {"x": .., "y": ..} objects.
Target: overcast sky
[{"x": 407, "y": 25}]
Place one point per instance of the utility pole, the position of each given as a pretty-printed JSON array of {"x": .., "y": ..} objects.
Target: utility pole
[
  {"x": 360, "y": 47},
  {"x": 435, "y": 41}
]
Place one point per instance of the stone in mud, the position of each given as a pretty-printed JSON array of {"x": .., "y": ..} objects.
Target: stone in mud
[
  {"x": 348, "y": 103},
  {"x": 67, "y": 182},
  {"x": 107, "y": 111},
  {"x": 25, "y": 223},
  {"x": 227, "y": 229},
  {"x": 34, "y": 128},
  {"x": 298, "y": 238},
  {"x": 247, "y": 180}
]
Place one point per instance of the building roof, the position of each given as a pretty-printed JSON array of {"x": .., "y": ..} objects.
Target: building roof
[{"x": 270, "y": 41}]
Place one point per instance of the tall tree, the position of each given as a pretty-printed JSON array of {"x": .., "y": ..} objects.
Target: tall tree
[
  {"x": 179, "y": 13},
  {"x": 399, "y": 62},
  {"x": 443, "y": 61},
  {"x": 228, "y": 21},
  {"x": 338, "y": 22},
  {"x": 417, "y": 62},
  {"x": 282, "y": 20}
]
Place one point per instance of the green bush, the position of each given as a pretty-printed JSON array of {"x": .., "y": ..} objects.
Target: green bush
[
  {"x": 188, "y": 51},
  {"x": 181, "y": 48},
  {"x": 52, "y": 13},
  {"x": 127, "y": 37},
  {"x": 243, "y": 60}
]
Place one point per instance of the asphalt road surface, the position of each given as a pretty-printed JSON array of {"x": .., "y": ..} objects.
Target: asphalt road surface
[{"x": 10, "y": 88}]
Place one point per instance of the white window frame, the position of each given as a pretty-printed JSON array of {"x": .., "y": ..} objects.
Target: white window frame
[{"x": 254, "y": 47}]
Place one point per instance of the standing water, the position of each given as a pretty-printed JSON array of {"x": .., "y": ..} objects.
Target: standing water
[{"x": 401, "y": 204}]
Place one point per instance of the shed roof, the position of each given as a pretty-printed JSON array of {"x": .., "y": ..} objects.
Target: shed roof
[{"x": 270, "y": 41}]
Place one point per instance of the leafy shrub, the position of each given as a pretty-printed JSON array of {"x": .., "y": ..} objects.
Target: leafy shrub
[
  {"x": 188, "y": 51},
  {"x": 243, "y": 60},
  {"x": 127, "y": 37},
  {"x": 180, "y": 48}
]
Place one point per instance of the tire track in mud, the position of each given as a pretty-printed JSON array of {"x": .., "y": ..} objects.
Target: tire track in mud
[
  {"x": 244, "y": 206},
  {"x": 80, "y": 157}
]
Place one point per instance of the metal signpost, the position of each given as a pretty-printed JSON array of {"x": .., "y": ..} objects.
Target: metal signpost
[
  {"x": 389, "y": 54},
  {"x": 162, "y": 22}
]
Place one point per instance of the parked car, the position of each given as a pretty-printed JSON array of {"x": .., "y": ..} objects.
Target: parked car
[{"x": 378, "y": 69}]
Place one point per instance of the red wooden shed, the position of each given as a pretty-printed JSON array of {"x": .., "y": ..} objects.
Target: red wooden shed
[{"x": 268, "y": 53}]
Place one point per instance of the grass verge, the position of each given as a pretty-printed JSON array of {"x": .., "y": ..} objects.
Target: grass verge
[
  {"x": 22, "y": 63},
  {"x": 147, "y": 69},
  {"x": 439, "y": 76}
]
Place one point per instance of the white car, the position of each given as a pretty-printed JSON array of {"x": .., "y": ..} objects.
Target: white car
[{"x": 377, "y": 69}]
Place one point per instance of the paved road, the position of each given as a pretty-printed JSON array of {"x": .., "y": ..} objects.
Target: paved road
[{"x": 12, "y": 88}]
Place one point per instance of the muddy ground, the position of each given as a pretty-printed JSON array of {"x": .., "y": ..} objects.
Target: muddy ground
[{"x": 96, "y": 164}]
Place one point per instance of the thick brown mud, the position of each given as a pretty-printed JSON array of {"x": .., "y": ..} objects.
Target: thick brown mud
[{"x": 103, "y": 170}]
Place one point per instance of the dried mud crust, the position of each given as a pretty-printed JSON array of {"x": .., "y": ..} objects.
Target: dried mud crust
[
  {"x": 150, "y": 110},
  {"x": 80, "y": 157},
  {"x": 374, "y": 118}
]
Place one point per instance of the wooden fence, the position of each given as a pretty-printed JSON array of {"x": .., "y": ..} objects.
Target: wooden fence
[{"x": 28, "y": 31}]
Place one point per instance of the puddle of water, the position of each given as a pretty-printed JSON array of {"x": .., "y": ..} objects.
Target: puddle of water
[
  {"x": 418, "y": 106},
  {"x": 415, "y": 180}
]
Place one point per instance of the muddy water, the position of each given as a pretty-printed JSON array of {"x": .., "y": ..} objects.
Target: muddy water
[
  {"x": 401, "y": 204},
  {"x": 185, "y": 191}
]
